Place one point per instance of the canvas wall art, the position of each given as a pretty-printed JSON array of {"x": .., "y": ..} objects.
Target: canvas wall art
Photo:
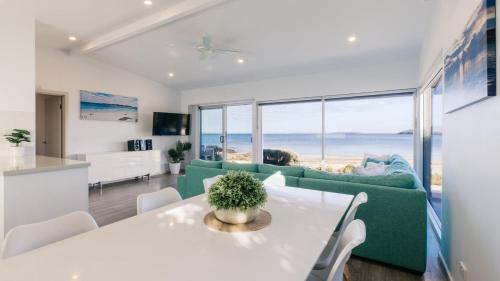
[
  {"x": 470, "y": 65},
  {"x": 108, "y": 107}
]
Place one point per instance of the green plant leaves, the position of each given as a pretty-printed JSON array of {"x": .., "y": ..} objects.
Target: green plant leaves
[
  {"x": 177, "y": 154},
  {"x": 18, "y": 136},
  {"x": 237, "y": 190}
]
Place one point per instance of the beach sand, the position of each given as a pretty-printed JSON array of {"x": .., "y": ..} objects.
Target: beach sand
[{"x": 122, "y": 116}]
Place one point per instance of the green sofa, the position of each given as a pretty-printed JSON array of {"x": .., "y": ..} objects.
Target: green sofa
[{"x": 395, "y": 215}]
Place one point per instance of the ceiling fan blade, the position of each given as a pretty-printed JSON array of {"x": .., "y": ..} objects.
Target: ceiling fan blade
[{"x": 227, "y": 51}]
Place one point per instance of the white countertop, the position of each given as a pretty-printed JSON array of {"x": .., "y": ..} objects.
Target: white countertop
[
  {"x": 37, "y": 164},
  {"x": 172, "y": 243}
]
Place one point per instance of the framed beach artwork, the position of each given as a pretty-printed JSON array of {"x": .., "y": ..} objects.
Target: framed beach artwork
[
  {"x": 108, "y": 107},
  {"x": 470, "y": 64}
]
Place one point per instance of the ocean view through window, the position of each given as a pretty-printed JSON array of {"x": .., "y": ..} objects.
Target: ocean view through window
[
  {"x": 327, "y": 134},
  {"x": 373, "y": 125}
]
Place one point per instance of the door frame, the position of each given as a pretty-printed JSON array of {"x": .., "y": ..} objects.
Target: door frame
[
  {"x": 426, "y": 128},
  {"x": 64, "y": 115}
]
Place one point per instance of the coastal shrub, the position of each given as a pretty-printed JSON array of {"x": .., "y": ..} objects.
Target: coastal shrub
[
  {"x": 237, "y": 190},
  {"x": 279, "y": 157}
]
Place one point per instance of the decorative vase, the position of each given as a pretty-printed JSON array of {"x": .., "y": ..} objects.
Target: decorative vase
[
  {"x": 236, "y": 216},
  {"x": 174, "y": 168},
  {"x": 18, "y": 152}
]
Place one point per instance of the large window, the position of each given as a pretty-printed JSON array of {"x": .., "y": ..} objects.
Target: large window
[
  {"x": 294, "y": 128},
  {"x": 334, "y": 133},
  {"x": 373, "y": 125},
  {"x": 327, "y": 133}
]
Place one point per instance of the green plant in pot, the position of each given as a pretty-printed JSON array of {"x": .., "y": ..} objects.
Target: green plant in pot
[
  {"x": 237, "y": 197},
  {"x": 177, "y": 155},
  {"x": 17, "y": 137}
]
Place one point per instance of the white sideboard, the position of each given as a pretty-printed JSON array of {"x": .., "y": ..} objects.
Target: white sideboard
[{"x": 116, "y": 166}]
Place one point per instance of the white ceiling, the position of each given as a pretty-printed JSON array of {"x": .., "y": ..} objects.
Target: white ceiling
[{"x": 279, "y": 37}]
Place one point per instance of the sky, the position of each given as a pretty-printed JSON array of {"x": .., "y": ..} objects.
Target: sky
[{"x": 367, "y": 115}]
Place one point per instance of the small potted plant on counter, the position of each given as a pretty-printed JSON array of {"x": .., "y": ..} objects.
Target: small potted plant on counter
[
  {"x": 177, "y": 155},
  {"x": 237, "y": 197},
  {"x": 17, "y": 137}
]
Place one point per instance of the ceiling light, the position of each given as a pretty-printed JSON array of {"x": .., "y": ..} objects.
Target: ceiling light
[
  {"x": 72, "y": 38},
  {"x": 171, "y": 74},
  {"x": 148, "y": 2},
  {"x": 241, "y": 61},
  {"x": 352, "y": 39}
]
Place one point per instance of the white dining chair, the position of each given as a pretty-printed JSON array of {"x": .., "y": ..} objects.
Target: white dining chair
[
  {"x": 28, "y": 237},
  {"x": 353, "y": 236},
  {"x": 208, "y": 182},
  {"x": 328, "y": 253},
  {"x": 275, "y": 180},
  {"x": 149, "y": 201}
]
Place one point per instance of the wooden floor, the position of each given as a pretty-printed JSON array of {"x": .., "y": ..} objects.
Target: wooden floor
[{"x": 118, "y": 201}]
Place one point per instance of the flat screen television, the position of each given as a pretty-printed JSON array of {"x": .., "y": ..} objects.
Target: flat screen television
[{"x": 171, "y": 124}]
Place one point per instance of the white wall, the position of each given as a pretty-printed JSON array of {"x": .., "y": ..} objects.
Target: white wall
[
  {"x": 471, "y": 149},
  {"x": 57, "y": 71},
  {"x": 344, "y": 80},
  {"x": 17, "y": 69}
]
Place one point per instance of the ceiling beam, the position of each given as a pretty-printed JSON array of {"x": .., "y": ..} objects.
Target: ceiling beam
[{"x": 174, "y": 13}]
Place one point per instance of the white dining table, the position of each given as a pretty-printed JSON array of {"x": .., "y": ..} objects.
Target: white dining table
[{"x": 173, "y": 243}]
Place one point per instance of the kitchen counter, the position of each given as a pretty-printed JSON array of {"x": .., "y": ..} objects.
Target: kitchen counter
[{"x": 37, "y": 164}]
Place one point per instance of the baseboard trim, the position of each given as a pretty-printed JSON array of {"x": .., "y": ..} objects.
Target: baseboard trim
[{"x": 445, "y": 266}]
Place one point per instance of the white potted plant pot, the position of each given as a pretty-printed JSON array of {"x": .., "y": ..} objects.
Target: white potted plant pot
[
  {"x": 236, "y": 216},
  {"x": 174, "y": 168},
  {"x": 18, "y": 152}
]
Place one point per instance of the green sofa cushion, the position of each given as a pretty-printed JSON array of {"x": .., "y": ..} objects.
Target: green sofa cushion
[
  {"x": 403, "y": 180},
  {"x": 376, "y": 161},
  {"x": 207, "y": 164},
  {"x": 285, "y": 170},
  {"x": 226, "y": 165}
]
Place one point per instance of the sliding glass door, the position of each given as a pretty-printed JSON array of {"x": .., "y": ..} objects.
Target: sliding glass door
[
  {"x": 212, "y": 134},
  {"x": 239, "y": 133},
  {"x": 432, "y": 156},
  {"x": 226, "y": 133}
]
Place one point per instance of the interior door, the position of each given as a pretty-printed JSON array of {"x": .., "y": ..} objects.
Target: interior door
[
  {"x": 49, "y": 125},
  {"x": 212, "y": 133},
  {"x": 53, "y": 126}
]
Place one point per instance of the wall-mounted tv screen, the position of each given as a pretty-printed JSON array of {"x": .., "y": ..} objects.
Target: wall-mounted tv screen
[{"x": 171, "y": 124}]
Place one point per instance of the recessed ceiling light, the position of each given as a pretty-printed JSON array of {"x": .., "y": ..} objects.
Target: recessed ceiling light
[
  {"x": 171, "y": 74},
  {"x": 352, "y": 39},
  {"x": 241, "y": 61},
  {"x": 72, "y": 38},
  {"x": 148, "y": 2}
]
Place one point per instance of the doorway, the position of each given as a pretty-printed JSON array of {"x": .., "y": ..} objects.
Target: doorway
[{"x": 50, "y": 124}]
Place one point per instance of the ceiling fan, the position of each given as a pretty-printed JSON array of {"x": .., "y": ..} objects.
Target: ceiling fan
[{"x": 208, "y": 51}]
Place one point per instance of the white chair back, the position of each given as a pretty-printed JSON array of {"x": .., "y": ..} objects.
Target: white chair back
[
  {"x": 275, "y": 180},
  {"x": 360, "y": 199},
  {"x": 149, "y": 201},
  {"x": 328, "y": 255},
  {"x": 353, "y": 236},
  {"x": 28, "y": 237},
  {"x": 208, "y": 182}
]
